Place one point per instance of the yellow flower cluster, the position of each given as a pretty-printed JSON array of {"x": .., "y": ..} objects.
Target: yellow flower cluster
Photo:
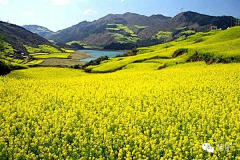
[{"x": 166, "y": 114}]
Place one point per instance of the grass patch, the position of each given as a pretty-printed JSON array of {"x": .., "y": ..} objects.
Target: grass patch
[
  {"x": 7, "y": 49},
  {"x": 125, "y": 39},
  {"x": 119, "y": 27},
  {"x": 41, "y": 49},
  {"x": 163, "y": 35},
  {"x": 34, "y": 62},
  {"x": 68, "y": 50},
  {"x": 72, "y": 42},
  {"x": 53, "y": 55},
  {"x": 92, "y": 47},
  {"x": 140, "y": 27},
  {"x": 188, "y": 32}
]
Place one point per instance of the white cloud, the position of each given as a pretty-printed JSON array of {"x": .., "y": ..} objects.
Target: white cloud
[
  {"x": 122, "y": 0},
  {"x": 4, "y": 2},
  {"x": 27, "y": 13},
  {"x": 89, "y": 12}
]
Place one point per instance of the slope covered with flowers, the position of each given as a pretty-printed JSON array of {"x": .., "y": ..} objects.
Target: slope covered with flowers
[{"x": 49, "y": 113}]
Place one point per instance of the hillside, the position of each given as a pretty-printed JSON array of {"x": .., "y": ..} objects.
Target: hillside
[
  {"x": 216, "y": 46},
  {"x": 124, "y": 31},
  {"x": 17, "y": 37},
  {"x": 20, "y": 48}
]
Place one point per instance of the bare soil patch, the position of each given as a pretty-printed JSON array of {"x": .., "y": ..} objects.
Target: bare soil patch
[{"x": 73, "y": 59}]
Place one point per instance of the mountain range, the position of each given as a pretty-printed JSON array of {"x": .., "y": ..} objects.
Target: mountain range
[{"x": 124, "y": 31}]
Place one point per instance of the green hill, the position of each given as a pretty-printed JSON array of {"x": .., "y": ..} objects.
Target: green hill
[
  {"x": 213, "y": 47},
  {"x": 20, "y": 48}
]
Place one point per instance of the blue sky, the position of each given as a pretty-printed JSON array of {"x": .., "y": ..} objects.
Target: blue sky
[{"x": 60, "y": 14}]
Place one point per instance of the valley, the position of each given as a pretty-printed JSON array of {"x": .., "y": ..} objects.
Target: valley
[{"x": 125, "y": 86}]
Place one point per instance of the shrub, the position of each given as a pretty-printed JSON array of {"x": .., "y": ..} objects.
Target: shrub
[
  {"x": 95, "y": 62},
  {"x": 77, "y": 66},
  {"x": 133, "y": 52},
  {"x": 179, "y": 52},
  {"x": 4, "y": 68}
]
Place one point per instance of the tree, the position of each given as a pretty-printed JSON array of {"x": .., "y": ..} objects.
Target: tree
[
  {"x": 2, "y": 38},
  {"x": 2, "y": 42},
  {"x": 1, "y": 45}
]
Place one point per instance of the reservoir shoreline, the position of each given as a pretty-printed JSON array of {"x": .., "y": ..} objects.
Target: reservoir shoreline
[{"x": 95, "y": 54}]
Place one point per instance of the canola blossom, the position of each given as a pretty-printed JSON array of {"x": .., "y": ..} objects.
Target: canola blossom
[{"x": 162, "y": 114}]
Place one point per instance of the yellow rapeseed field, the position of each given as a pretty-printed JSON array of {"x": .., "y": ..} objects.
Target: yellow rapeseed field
[{"x": 49, "y": 113}]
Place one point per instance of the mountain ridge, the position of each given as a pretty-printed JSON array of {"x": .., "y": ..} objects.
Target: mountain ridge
[
  {"x": 40, "y": 30},
  {"x": 136, "y": 29}
]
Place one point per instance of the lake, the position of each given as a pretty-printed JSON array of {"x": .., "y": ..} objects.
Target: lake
[{"x": 95, "y": 54}]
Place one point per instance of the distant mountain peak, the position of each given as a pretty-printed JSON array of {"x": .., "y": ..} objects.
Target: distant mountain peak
[
  {"x": 38, "y": 27},
  {"x": 159, "y": 16},
  {"x": 130, "y": 14},
  {"x": 40, "y": 30},
  {"x": 192, "y": 15}
]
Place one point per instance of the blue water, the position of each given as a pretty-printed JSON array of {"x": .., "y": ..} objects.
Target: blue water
[{"x": 97, "y": 54}]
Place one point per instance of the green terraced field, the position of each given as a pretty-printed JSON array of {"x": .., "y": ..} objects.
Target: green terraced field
[
  {"x": 128, "y": 37},
  {"x": 42, "y": 49},
  {"x": 125, "y": 39},
  {"x": 163, "y": 35},
  {"x": 216, "y": 45},
  {"x": 140, "y": 27},
  {"x": 118, "y": 27},
  {"x": 53, "y": 55}
]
